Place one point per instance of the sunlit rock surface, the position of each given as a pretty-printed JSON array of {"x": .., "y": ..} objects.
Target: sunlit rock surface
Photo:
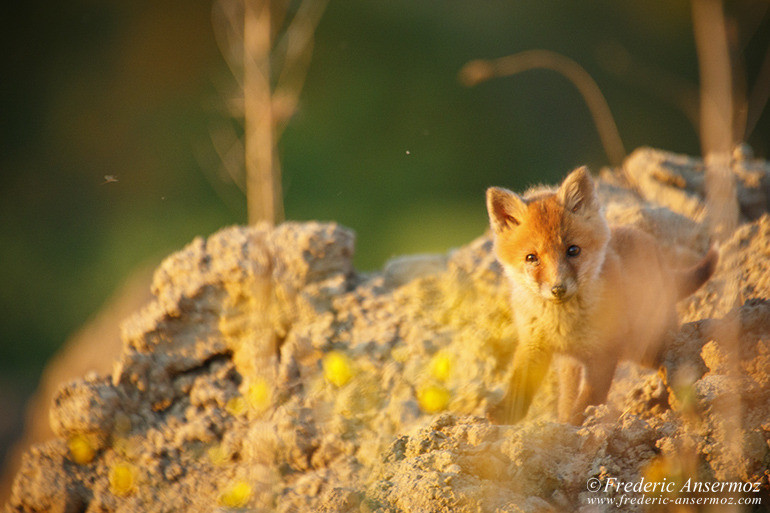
[{"x": 267, "y": 374}]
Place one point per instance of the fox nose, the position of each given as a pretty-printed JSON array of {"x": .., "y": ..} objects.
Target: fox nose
[{"x": 558, "y": 291}]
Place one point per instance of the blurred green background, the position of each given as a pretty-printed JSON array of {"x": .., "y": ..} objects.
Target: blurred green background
[{"x": 386, "y": 141}]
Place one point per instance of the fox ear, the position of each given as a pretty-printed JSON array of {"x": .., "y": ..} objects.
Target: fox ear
[
  {"x": 577, "y": 191},
  {"x": 506, "y": 209}
]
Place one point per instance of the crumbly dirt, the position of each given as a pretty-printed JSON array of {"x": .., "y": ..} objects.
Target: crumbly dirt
[{"x": 267, "y": 374}]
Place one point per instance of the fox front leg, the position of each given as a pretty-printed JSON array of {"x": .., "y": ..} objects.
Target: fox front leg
[
  {"x": 595, "y": 385},
  {"x": 570, "y": 374},
  {"x": 530, "y": 365}
]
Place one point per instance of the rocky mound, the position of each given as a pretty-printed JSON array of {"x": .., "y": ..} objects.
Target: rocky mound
[{"x": 268, "y": 375}]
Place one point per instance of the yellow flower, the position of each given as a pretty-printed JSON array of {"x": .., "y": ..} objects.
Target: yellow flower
[
  {"x": 433, "y": 398},
  {"x": 236, "y": 406},
  {"x": 81, "y": 449},
  {"x": 656, "y": 469},
  {"x": 218, "y": 455},
  {"x": 122, "y": 479},
  {"x": 441, "y": 366},
  {"x": 666, "y": 467},
  {"x": 237, "y": 495},
  {"x": 338, "y": 369},
  {"x": 400, "y": 354},
  {"x": 260, "y": 395}
]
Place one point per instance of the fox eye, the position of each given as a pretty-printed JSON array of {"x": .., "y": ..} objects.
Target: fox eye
[
  {"x": 532, "y": 259},
  {"x": 573, "y": 251}
]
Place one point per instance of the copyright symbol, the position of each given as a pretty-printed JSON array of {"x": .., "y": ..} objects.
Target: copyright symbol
[{"x": 594, "y": 484}]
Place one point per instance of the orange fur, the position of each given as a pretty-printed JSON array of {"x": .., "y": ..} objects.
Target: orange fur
[{"x": 582, "y": 289}]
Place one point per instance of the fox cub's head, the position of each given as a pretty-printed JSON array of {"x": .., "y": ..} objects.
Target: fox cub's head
[{"x": 552, "y": 242}]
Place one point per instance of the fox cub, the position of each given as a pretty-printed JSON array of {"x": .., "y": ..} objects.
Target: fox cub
[{"x": 582, "y": 289}]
